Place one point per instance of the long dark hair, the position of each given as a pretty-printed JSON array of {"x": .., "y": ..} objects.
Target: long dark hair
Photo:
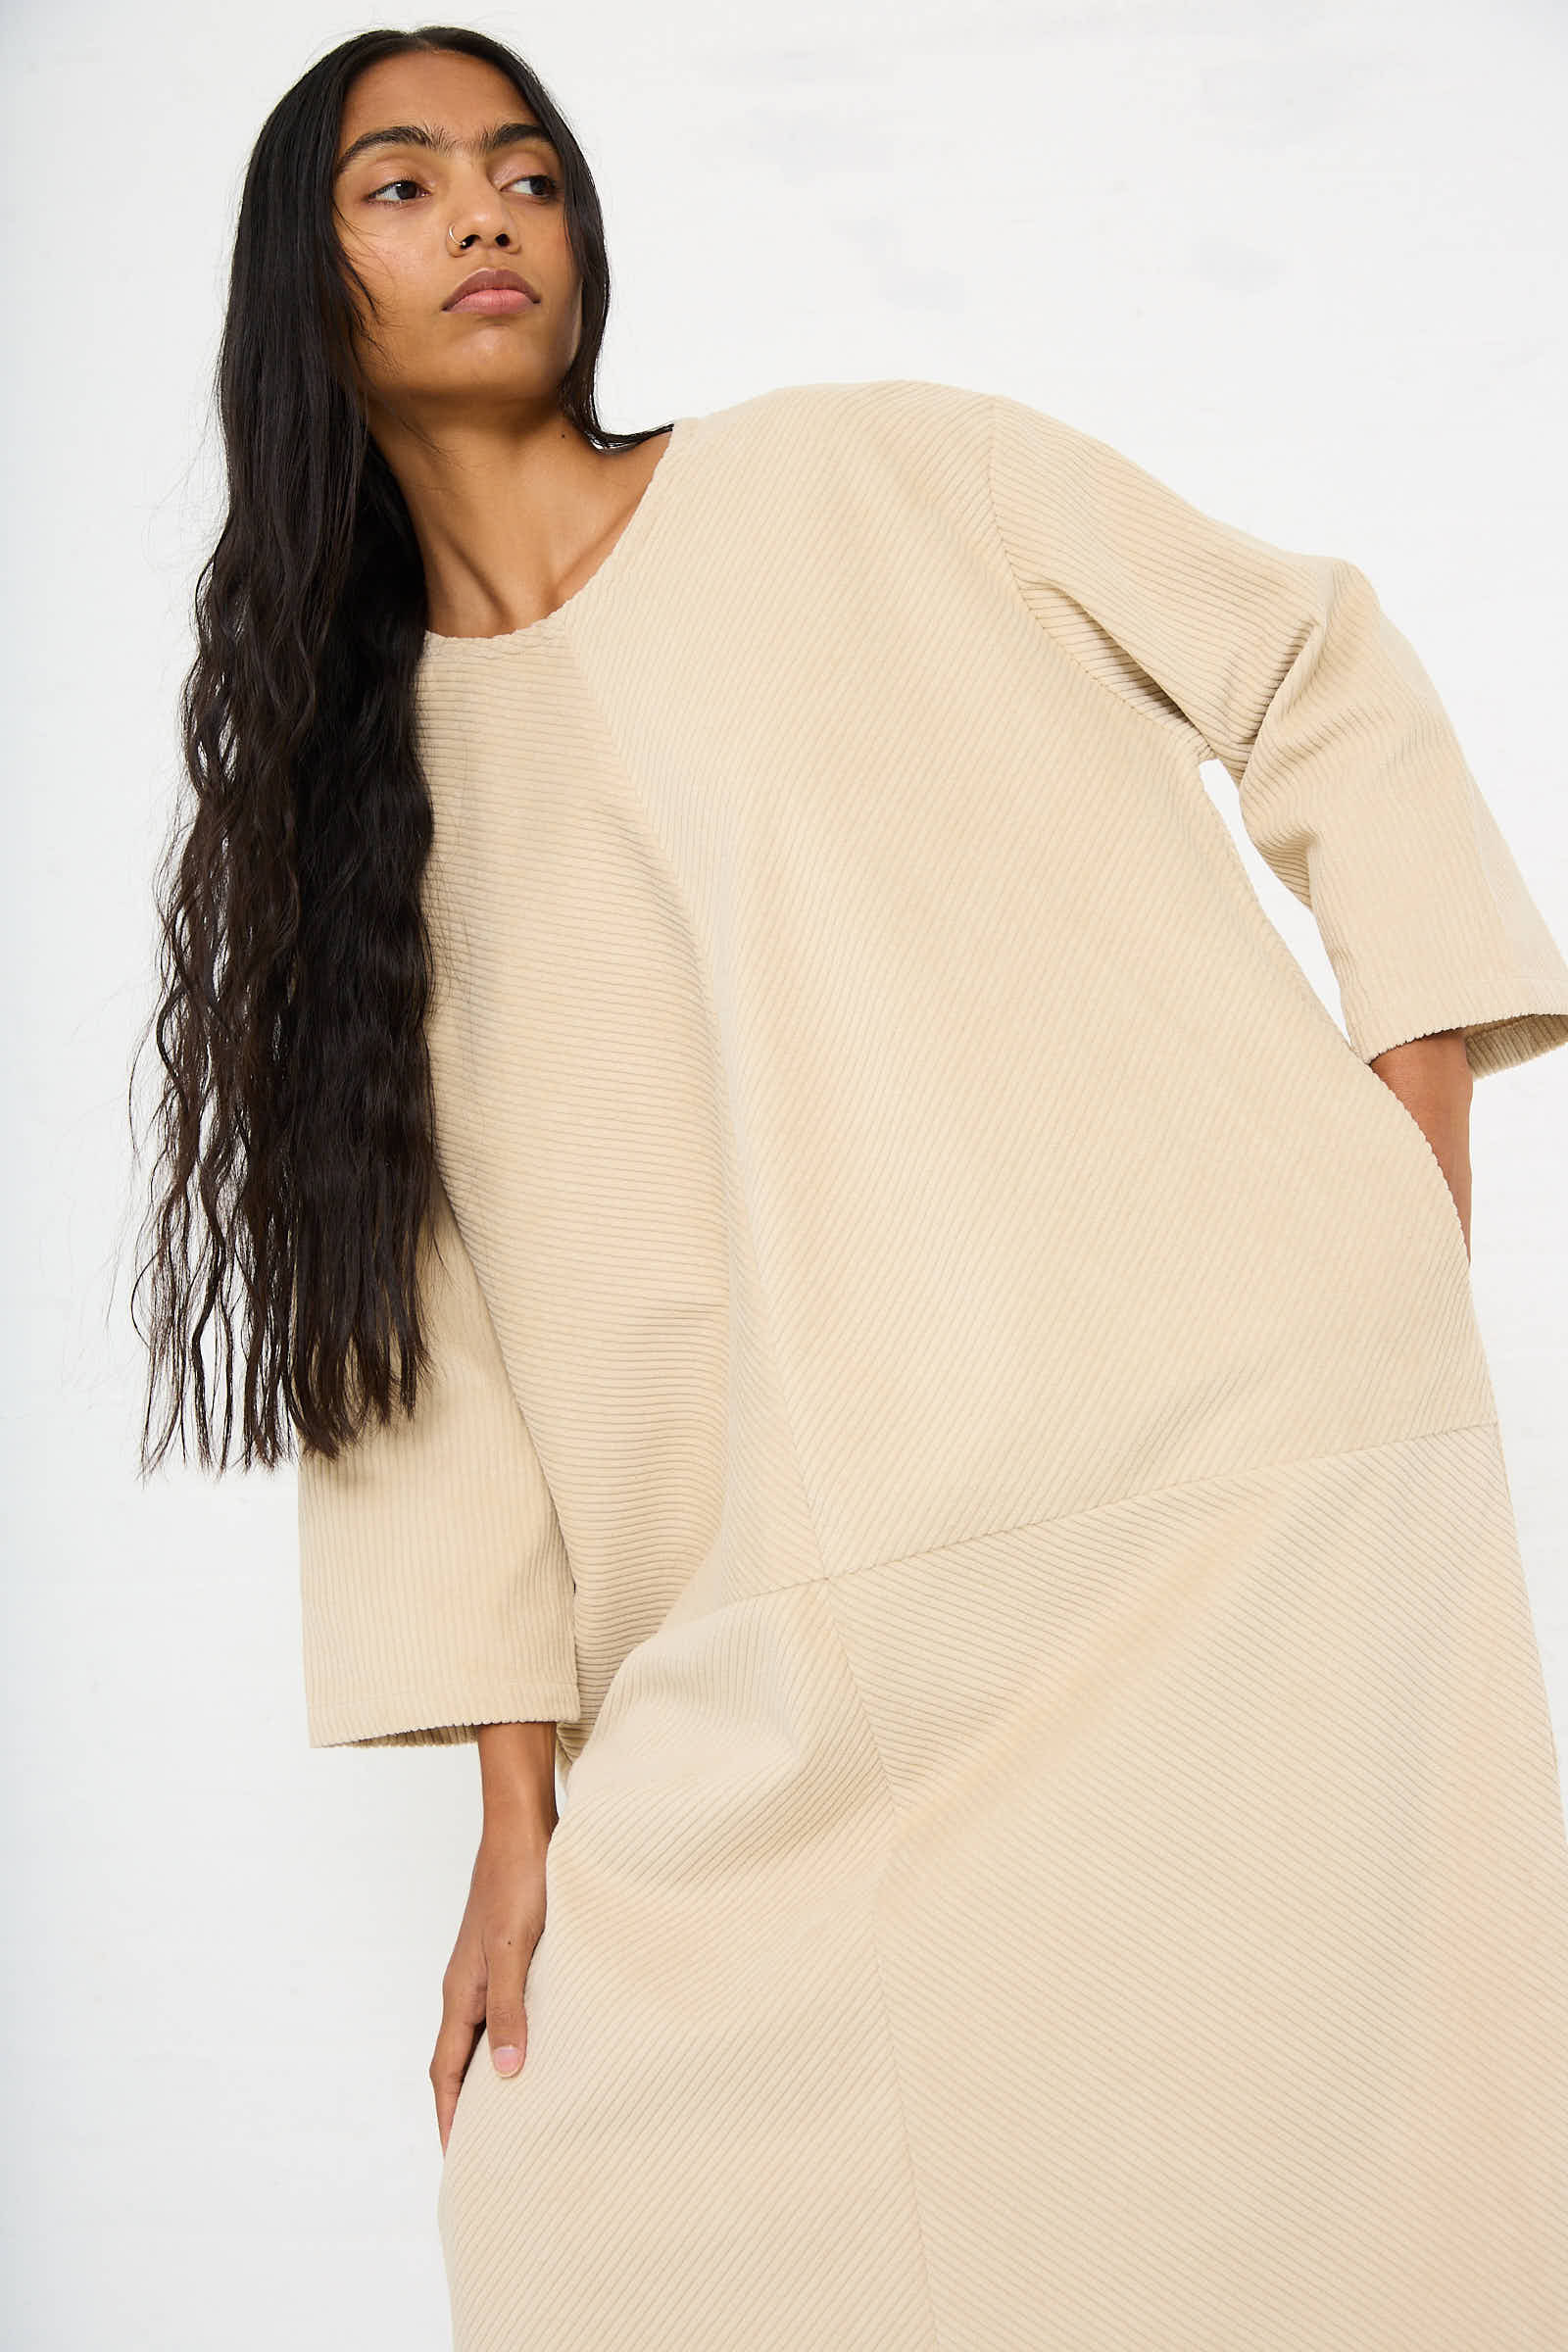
[{"x": 295, "y": 1129}]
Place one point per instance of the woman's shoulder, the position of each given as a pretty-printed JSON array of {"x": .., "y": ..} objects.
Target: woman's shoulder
[
  {"x": 858, "y": 443},
  {"x": 897, "y": 410}
]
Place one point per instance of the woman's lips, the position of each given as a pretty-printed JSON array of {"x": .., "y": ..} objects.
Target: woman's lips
[{"x": 493, "y": 298}]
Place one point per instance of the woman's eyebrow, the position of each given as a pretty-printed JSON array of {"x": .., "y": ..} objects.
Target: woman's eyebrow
[{"x": 441, "y": 142}]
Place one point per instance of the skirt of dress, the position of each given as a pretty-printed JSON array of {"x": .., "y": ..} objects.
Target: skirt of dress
[{"x": 1141, "y": 1930}]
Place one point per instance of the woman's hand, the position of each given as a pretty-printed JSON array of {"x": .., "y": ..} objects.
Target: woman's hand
[
  {"x": 1432, "y": 1077},
  {"x": 481, "y": 1990}
]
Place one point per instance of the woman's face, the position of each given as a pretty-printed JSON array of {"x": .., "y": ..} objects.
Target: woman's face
[{"x": 444, "y": 167}]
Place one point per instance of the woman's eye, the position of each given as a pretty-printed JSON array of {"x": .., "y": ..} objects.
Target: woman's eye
[{"x": 549, "y": 184}]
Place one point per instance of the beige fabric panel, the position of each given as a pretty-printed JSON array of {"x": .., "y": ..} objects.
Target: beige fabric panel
[{"x": 965, "y": 1401}]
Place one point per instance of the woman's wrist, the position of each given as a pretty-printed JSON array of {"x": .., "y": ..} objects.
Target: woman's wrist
[{"x": 1432, "y": 1077}]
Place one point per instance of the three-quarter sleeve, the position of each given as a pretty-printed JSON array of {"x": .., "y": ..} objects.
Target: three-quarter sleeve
[
  {"x": 437, "y": 1589},
  {"x": 1351, "y": 782}
]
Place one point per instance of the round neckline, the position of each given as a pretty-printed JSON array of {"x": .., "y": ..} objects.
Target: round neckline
[{"x": 631, "y": 530}]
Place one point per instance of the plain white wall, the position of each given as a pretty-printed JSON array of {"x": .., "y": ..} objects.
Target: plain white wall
[{"x": 1306, "y": 265}]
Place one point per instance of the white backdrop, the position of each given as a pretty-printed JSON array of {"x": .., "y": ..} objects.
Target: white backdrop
[{"x": 1304, "y": 264}]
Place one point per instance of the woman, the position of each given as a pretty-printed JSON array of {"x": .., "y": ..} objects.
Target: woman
[{"x": 832, "y": 1273}]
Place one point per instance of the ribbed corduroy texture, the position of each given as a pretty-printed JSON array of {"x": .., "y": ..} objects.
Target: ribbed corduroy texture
[{"x": 962, "y": 1393}]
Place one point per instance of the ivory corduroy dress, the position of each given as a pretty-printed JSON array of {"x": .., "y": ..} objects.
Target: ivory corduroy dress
[{"x": 959, "y": 1388}]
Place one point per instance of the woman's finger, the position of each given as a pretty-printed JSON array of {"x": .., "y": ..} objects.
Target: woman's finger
[
  {"x": 508, "y": 1951},
  {"x": 461, "y": 2018}
]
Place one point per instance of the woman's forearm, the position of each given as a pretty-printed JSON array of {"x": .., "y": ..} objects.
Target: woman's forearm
[
  {"x": 483, "y": 1989},
  {"x": 518, "y": 1772},
  {"x": 1433, "y": 1079}
]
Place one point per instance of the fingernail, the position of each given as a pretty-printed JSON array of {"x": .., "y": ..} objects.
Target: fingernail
[{"x": 507, "y": 2058}]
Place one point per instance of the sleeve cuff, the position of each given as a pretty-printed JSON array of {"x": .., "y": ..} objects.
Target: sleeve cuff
[
  {"x": 436, "y": 1715},
  {"x": 1506, "y": 1019}
]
